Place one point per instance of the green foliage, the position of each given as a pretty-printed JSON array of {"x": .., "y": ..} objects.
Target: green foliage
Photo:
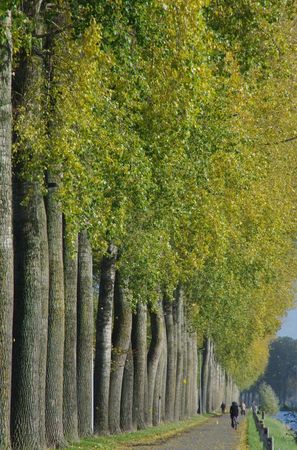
[
  {"x": 171, "y": 124},
  {"x": 268, "y": 399},
  {"x": 281, "y": 369}
]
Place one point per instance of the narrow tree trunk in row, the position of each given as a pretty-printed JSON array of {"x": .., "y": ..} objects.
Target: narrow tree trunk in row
[
  {"x": 70, "y": 422},
  {"x": 139, "y": 347},
  {"x": 27, "y": 316},
  {"x": 209, "y": 383},
  {"x": 204, "y": 377},
  {"x": 6, "y": 244},
  {"x": 189, "y": 385},
  {"x": 178, "y": 318},
  {"x": 171, "y": 361},
  {"x": 44, "y": 274},
  {"x": 199, "y": 380},
  {"x": 127, "y": 393},
  {"x": 56, "y": 328},
  {"x": 85, "y": 336},
  {"x": 185, "y": 379},
  {"x": 157, "y": 395},
  {"x": 103, "y": 341},
  {"x": 164, "y": 374},
  {"x": 194, "y": 407},
  {"x": 153, "y": 358},
  {"x": 121, "y": 339}
]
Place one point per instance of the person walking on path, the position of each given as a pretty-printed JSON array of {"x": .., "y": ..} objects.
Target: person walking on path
[
  {"x": 242, "y": 408},
  {"x": 234, "y": 411},
  {"x": 223, "y": 407}
]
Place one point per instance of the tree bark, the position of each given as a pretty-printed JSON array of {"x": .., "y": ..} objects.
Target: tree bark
[
  {"x": 6, "y": 244},
  {"x": 155, "y": 350},
  {"x": 26, "y": 354},
  {"x": 56, "y": 328},
  {"x": 139, "y": 346},
  {"x": 127, "y": 393},
  {"x": 121, "y": 339},
  {"x": 171, "y": 361},
  {"x": 103, "y": 341},
  {"x": 85, "y": 336},
  {"x": 178, "y": 319},
  {"x": 209, "y": 382},
  {"x": 44, "y": 274},
  {"x": 195, "y": 376},
  {"x": 204, "y": 377},
  {"x": 185, "y": 379},
  {"x": 70, "y": 421}
]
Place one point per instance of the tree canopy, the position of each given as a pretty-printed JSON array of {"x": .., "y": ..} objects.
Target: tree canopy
[{"x": 172, "y": 126}]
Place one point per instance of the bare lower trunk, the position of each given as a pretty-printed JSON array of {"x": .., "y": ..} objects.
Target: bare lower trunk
[
  {"x": 85, "y": 336},
  {"x": 6, "y": 245},
  {"x": 103, "y": 342},
  {"x": 205, "y": 374},
  {"x": 25, "y": 412},
  {"x": 139, "y": 346},
  {"x": 44, "y": 273},
  {"x": 70, "y": 423},
  {"x": 127, "y": 394},
  {"x": 120, "y": 345},
  {"x": 209, "y": 382},
  {"x": 155, "y": 350},
  {"x": 171, "y": 361},
  {"x": 178, "y": 319},
  {"x": 56, "y": 329},
  {"x": 194, "y": 404}
]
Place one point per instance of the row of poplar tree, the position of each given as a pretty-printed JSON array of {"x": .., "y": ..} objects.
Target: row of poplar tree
[{"x": 147, "y": 154}]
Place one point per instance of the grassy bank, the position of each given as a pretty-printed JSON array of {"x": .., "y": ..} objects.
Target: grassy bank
[
  {"x": 148, "y": 436},
  {"x": 253, "y": 438},
  {"x": 283, "y": 437}
]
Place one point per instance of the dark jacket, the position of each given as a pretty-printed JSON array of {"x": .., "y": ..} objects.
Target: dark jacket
[{"x": 234, "y": 410}]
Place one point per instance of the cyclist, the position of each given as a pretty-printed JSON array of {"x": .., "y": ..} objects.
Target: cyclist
[{"x": 234, "y": 411}]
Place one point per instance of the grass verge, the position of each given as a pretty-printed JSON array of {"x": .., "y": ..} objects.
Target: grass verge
[
  {"x": 243, "y": 429},
  {"x": 149, "y": 436},
  {"x": 253, "y": 438},
  {"x": 283, "y": 437}
]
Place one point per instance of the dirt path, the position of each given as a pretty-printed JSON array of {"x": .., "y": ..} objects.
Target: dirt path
[{"x": 216, "y": 434}]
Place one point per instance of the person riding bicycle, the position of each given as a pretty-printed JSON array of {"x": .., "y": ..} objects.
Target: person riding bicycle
[{"x": 234, "y": 411}]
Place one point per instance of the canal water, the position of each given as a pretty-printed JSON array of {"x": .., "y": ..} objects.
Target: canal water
[{"x": 289, "y": 418}]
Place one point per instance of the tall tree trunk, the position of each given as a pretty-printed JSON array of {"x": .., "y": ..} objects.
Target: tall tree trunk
[
  {"x": 56, "y": 328},
  {"x": 195, "y": 385},
  {"x": 121, "y": 339},
  {"x": 205, "y": 373},
  {"x": 103, "y": 341},
  {"x": 6, "y": 245},
  {"x": 155, "y": 350},
  {"x": 139, "y": 346},
  {"x": 189, "y": 385},
  {"x": 178, "y": 319},
  {"x": 157, "y": 394},
  {"x": 164, "y": 374},
  {"x": 209, "y": 383},
  {"x": 70, "y": 421},
  {"x": 127, "y": 393},
  {"x": 185, "y": 369},
  {"x": 44, "y": 274},
  {"x": 85, "y": 336},
  {"x": 171, "y": 361},
  {"x": 25, "y": 413}
]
